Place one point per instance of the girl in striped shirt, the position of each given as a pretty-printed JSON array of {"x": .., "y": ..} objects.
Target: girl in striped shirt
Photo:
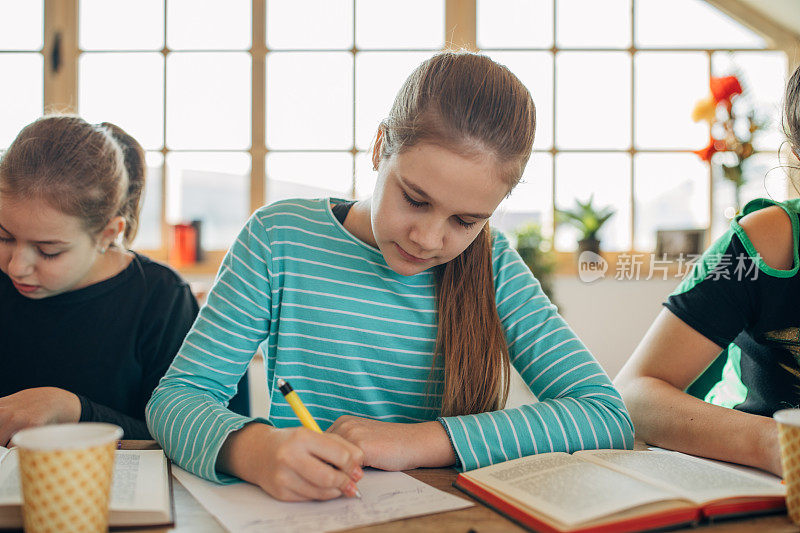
[{"x": 395, "y": 318}]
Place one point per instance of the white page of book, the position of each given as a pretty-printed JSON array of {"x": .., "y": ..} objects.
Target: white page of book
[
  {"x": 386, "y": 496},
  {"x": 696, "y": 479},
  {"x": 137, "y": 483},
  {"x": 761, "y": 474},
  {"x": 568, "y": 489},
  {"x": 9, "y": 478}
]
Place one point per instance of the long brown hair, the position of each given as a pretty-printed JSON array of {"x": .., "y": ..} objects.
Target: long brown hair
[
  {"x": 791, "y": 112},
  {"x": 471, "y": 105},
  {"x": 92, "y": 172}
]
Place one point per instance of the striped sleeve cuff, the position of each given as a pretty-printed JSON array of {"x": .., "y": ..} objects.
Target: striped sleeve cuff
[
  {"x": 192, "y": 429},
  {"x": 553, "y": 425},
  {"x": 459, "y": 428}
]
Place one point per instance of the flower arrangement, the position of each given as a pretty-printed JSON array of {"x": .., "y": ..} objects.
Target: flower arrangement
[{"x": 725, "y": 136}]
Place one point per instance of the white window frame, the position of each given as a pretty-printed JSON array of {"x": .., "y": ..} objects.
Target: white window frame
[{"x": 61, "y": 88}]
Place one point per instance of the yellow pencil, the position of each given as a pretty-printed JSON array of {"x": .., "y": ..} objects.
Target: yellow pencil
[
  {"x": 300, "y": 410},
  {"x": 297, "y": 406}
]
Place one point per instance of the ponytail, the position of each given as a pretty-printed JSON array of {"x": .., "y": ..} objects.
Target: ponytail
[
  {"x": 136, "y": 168},
  {"x": 470, "y": 337}
]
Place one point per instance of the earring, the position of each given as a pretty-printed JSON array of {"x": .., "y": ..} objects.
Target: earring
[{"x": 102, "y": 250}]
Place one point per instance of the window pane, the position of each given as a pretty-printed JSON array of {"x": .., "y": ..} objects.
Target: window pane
[
  {"x": 535, "y": 70},
  {"x": 366, "y": 176},
  {"x": 27, "y": 95},
  {"x": 763, "y": 77},
  {"x": 765, "y": 177},
  {"x": 406, "y": 24},
  {"x": 213, "y": 188},
  {"x": 121, "y": 24},
  {"x": 309, "y": 175},
  {"x": 671, "y": 192},
  {"x": 593, "y": 100},
  {"x": 379, "y": 76},
  {"x": 309, "y": 24},
  {"x": 577, "y": 23},
  {"x": 514, "y": 23},
  {"x": 208, "y": 100},
  {"x": 149, "y": 235},
  {"x": 531, "y": 200},
  {"x": 310, "y": 100},
  {"x": 21, "y": 25},
  {"x": 689, "y": 24},
  {"x": 100, "y": 93},
  {"x": 663, "y": 107},
  {"x": 209, "y": 24},
  {"x": 605, "y": 178}
]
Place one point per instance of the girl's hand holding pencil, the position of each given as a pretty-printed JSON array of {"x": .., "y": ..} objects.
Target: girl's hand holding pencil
[{"x": 293, "y": 464}]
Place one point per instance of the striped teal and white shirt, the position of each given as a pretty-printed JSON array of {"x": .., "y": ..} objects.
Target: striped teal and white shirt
[{"x": 355, "y": 338}]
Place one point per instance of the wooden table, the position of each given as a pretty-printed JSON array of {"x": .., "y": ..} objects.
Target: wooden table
[{"x": 192, "y": 517}]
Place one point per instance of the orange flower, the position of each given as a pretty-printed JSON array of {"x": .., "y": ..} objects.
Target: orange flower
[
  {"x": 706, "y": 153},
  {"x": 722, "y": 89},
  {"x": 714, "y": 146},
  {"x": 705, "y": 109}
]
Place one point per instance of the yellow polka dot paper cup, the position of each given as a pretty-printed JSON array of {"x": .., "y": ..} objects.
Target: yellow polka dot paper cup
[
  {"x": 66, "y": 476},
  {"x": 789, "y": 436}
]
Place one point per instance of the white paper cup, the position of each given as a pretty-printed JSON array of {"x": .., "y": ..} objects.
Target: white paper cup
[{"x": 66, "y": 474}]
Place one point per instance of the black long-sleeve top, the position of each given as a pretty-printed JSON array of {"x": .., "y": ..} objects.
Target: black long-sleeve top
[{"x": 108, "y": 343}]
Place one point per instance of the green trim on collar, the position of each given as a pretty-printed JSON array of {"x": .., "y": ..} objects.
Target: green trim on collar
[{"x": 790, "y": 207}]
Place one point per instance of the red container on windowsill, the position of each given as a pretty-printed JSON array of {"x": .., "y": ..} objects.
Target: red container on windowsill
[{"x": 183, "y": 249}]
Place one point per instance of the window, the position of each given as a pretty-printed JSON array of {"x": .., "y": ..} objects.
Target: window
[
  {"x": 333, "y": 68},
  {"x": 21, "y": 62},
  {"x": 613, "y": 110},
  {"x": 176, "y": 76},
  {"x": 250, "y": 101}
]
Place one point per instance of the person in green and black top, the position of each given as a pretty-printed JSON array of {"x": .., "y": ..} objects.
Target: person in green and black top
[{"x": 725, "y": 353}]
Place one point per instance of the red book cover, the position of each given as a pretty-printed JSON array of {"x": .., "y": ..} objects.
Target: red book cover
[{"x": 746, "y": 507}]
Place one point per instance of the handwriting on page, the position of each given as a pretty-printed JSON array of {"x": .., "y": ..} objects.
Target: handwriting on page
[{"x": 386, "y": 496}]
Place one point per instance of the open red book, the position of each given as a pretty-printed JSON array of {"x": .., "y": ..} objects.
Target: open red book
[{"x": 619, "y": 490}]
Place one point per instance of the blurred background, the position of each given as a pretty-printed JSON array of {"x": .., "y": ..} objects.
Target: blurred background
[{"x": 243, "y": 102}]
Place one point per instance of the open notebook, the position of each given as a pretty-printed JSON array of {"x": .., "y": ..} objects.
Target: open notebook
[{"x": 141, "y": 492}]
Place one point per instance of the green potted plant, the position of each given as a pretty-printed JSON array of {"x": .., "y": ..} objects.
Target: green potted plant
[
  {"x": 588, "y": 219},
  {"x": 536, "y": 251}
]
